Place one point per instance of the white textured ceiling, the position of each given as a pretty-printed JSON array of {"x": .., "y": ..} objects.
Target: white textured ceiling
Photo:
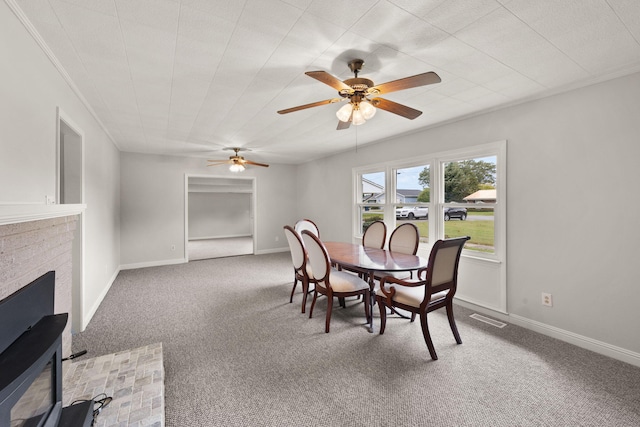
[{"x": 189, "y": 77}]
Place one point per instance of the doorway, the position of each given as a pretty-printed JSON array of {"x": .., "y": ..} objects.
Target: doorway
[
  {"x": 219, "y": 217},
  {"x": 70, "y": 190}
]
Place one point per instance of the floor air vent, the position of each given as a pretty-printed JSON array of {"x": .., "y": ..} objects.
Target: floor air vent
[{"x": 488, "y": 320}]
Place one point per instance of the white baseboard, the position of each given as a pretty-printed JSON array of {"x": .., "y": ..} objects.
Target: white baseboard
[
  {"x": 86, "y": 318},
  {"x": 272, "y": 251},
  {"x": 153, "y": 263},
  {"x": 596, "y": 346},
  {"x": 230, "y": 236}
]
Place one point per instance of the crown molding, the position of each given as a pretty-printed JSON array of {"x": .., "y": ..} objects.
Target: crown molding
[{"x": 19, "y": 13}]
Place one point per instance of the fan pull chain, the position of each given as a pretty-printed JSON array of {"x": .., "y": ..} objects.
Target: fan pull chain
[{"x": 356, "y": 138}]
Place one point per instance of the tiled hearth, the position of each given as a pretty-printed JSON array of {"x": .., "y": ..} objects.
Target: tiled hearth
[{"x": 133, "y": 378}]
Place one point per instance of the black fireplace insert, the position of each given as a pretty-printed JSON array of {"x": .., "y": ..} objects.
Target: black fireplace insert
[{"x": 31, "y": 360}]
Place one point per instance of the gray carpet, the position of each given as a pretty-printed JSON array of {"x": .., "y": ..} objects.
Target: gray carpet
[{"x": 238, "y": 354}]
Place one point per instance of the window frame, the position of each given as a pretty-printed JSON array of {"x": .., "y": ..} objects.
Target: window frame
[
  {"x": 436, "y": 162},
  {"x": 359, "y": 204}
]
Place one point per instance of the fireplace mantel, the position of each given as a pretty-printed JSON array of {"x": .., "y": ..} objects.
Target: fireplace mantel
[{"x": 13, "y": 214}]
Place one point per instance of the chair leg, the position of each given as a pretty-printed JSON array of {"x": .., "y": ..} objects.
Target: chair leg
[
  {"x": 329, "y": 308},
  {"x": 452, "y": 323},
  {"x": 427, "y": 336},
  {"x": 295, "y": 282},
  {"x": 383, "y": 314},
  {"x": 413, "y": 316},
  {"x": 367, "y": 301},
  {"x": 305, "y": 291},
  {"x": 341, "y": 302},
  {"x": 313, "y": 303}
]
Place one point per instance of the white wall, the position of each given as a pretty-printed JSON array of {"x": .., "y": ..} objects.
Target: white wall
[
  {"x": 31, "y": 89},
  {"x": 572, "y": 205},
  {"x": 214, "y": 215},
  {"x": 153, "y": 196}
]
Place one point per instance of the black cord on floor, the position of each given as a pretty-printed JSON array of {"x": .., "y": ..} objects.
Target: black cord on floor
[
  {"x": 100, "y": 402},
  {"x": 74, "y": 355}
]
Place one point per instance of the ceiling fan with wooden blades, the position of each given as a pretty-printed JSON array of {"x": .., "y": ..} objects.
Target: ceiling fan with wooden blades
[
  {"x": 237, "y": 163},
  {"x": 362, "y": 95}
]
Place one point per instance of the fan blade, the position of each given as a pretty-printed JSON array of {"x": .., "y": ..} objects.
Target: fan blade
[
  {"x": 343, "y": 125},
  {"x": 328, "y": 79},
  {"x": 313, "y": 104},
  {"x": 406, "y": 83},
  {"x": 249, "y": 162},
  {"x": 395, "y": 108}
]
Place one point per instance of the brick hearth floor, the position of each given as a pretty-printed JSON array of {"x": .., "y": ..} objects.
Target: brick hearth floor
[{"x": 133, "y": 378}]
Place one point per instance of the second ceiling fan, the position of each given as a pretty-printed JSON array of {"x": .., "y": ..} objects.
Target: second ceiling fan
[{"x": 362, "y": 95}]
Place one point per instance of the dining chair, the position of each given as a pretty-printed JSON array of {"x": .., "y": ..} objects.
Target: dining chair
[
  {"x": 301, "y": 268},
  {"x": 329, "y": 281},
  {"x": 307, "y": 224},
  {"x": 375, "y": 235},
  {"x": 435, "y": 288},
  {"x": 404, "y": 239}
]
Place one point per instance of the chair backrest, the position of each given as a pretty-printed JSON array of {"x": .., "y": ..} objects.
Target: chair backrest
[
  {"x": 298, "y": 253},
  {"x": 318, "y": 256},
  {"x": 442, "y": 272},
  {"x": 405, "y": 239},
  {"x": 307, "y": 224},
  {"x": 375, "y": 235}
]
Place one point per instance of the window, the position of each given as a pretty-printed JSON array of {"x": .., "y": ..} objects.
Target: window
[
  {"x": 371, "y": 199},
  {"x": 412, "y": 198},
  {"x": 445, "y": 195},
  {"x": 469, "y": 189}
]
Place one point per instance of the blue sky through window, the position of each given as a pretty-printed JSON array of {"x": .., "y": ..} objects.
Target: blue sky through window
[{"x": 407, "y": 178}]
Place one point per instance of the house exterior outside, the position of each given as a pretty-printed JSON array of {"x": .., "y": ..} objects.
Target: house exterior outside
[
  {"x": 374, "y": 193},
  {"x": 481, "y": 196}
]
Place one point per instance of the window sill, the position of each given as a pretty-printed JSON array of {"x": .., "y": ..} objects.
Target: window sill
[{"x": 479, "y": 258}]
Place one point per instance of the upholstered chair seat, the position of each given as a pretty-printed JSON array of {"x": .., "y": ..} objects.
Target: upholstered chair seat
[
  {"x": 344, "y": 282},
  {"x": 412, "y": 297}
]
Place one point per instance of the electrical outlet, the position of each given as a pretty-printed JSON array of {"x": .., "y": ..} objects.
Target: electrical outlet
[
  {"x": 49, "y": 200},
  {"x": 547, "y": 300},
  {"x": 277, "y": 238}
]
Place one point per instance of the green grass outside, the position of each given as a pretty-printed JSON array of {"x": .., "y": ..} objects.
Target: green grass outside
[
  {"x": 481, "y": 232},
  {"x": 480, "y": 213}
]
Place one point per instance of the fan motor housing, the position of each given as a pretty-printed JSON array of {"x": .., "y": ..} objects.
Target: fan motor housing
[{"x": 358, "y": 84}]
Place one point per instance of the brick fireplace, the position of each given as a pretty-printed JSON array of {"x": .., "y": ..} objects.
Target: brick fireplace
[{"x": 30, "y": 248}]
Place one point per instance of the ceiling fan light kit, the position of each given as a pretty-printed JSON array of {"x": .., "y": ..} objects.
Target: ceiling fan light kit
[
  {"x": 236, "y": 167},
  {"x": 359, "y": 91},
  {"x": 236, "y": 162}
]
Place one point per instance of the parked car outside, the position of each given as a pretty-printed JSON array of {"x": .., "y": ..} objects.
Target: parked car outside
[
  {"x": 460, "y": 213},
  {"x": 412, "y": 212}
]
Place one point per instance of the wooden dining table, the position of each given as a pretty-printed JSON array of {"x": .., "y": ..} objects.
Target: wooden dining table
[{"x": 371, "y": 260}]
